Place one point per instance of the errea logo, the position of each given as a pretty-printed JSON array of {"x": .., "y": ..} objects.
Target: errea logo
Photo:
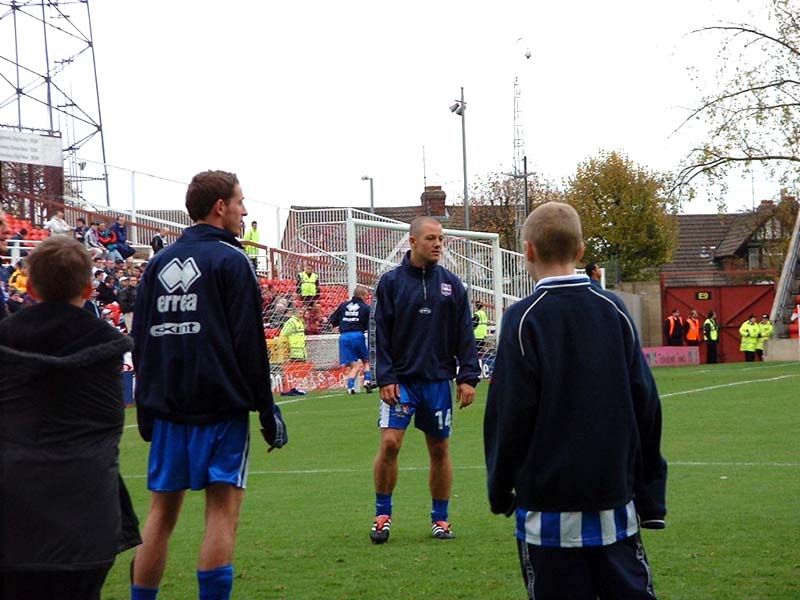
[{"x": 179, "y": 275}]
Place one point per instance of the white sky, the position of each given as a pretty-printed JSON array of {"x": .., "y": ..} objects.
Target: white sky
[{"x": 303, "y": 98}]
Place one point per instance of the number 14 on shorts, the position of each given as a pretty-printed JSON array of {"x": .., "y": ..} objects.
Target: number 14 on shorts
[{"x": 444, "y": 422}]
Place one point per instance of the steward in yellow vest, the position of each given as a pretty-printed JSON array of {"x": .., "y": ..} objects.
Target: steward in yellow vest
[
  {"x": 308, "y": 286},
  {"x": 480, "y": 325},
  {"x": 765, "y": 329},
  {"x": 294, "y": 330},
  {"x": 711, "y": 337},
  {"x": 749, "y": 332}
]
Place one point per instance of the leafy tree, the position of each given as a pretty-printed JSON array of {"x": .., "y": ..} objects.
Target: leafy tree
[
  {"x": 497, "y": 204},
  {"x": 625, "y": 210},
  {"x": 753, "y": 115}
]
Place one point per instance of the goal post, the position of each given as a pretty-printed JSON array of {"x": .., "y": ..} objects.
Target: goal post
[{"x": 466, "y": 253}]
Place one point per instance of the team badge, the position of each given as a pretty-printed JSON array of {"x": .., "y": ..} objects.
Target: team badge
[{"x": 447, "y": 289}]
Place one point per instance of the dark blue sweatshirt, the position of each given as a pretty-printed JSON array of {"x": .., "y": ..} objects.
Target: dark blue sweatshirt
[
  {"x": 200, "y": 353},
  {"x": 423, "y": 327},
  {"x": 352, "y": 315},
  {"x": 573, "y": 417}
]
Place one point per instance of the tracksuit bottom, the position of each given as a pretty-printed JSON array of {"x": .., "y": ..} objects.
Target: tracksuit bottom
[{"x": 615, "y": 572}]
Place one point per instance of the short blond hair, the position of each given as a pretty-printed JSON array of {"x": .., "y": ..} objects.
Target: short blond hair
[{"x": 554, "y": 229}]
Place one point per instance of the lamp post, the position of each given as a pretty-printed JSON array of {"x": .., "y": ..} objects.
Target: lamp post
[
  {"x": 459, "y": 108},
  {"x": 371, "y": 193}
]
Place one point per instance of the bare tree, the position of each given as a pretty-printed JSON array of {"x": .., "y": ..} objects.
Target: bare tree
[{"x": 754, "y": 114}]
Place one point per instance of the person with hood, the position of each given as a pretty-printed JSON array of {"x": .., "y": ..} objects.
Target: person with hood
[{"x": 65, "y": 510}]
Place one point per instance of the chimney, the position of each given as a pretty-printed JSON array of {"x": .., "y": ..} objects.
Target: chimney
[
  {"x": 766, "y": 204},
  {"x": 433, "y": 201}
]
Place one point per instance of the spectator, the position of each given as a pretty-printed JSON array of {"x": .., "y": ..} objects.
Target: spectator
[
  {"x": 128, "y": 267},
  {"x": 268, "y": 302},
  {"x": 674, "y": 328},
  {"x": 314, "y": 320},
  {"x": 91, "y": 301},
  {"x": 57, "y": 225},
  {"x": 5, "y": 232},
  {"x": 92, "y": 240},
  {"x": 66, "y": 512},
  {"x": 106, "y": 293},
  {"x": 308, "y": 285},
  {"x": 17, "y": 243},
  {"x": 749, "y": 331},
  {"x": 126, "y": 297},
  {"x": 109, "y": 240},
  {"x": 159, "y": 241},
  {"x": 80, "y": 230},
  {"x": 252, "y": 235},
  {"x": 19, "y": 278},
  {"x": 121, "y": 231}
]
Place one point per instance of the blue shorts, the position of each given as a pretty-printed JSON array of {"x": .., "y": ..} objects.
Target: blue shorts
[
  {"x": 194, "y": 456},
  {"x": 429, "y": 402},
  {"x": 352, "y": 347}
]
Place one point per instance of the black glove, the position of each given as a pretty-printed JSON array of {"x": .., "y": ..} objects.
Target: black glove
[
  {"x": 507, "y": 507},
  {"x": 274, "y": 429}
]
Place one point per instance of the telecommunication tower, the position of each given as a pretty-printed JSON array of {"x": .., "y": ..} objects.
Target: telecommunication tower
[
  {"x": 48, "y": 85},
  {"x": 520, "y": 170}
]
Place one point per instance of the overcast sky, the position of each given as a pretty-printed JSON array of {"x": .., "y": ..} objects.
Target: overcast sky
[{"x": 303, "y": 98}]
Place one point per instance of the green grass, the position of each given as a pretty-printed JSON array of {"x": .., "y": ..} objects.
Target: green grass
[{"x": 733, "y": 498}]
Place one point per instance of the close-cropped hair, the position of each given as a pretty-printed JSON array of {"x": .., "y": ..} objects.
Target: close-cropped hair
[
  {"x": 59, "y": 269},
  {"x": 554, "y": 229},
  {"x": 205, "y": 189}
]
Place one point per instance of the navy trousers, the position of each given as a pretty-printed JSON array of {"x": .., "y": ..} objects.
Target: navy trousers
[{"x": 616, "y": 572}]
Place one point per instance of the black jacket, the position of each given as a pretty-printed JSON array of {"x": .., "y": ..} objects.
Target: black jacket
[
  {"x": 573, "y": 417},
  {"x": 61, "y": 418}
]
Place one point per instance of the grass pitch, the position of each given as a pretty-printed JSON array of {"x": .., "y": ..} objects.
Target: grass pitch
[{"x": 730, "y": 437}]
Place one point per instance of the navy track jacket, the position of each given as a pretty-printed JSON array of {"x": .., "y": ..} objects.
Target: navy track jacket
[
  {"x": 200, "y": 353},
  {"x": 573, "y": 417},
  {"x": 423, "y": 327},
  {"x": 352, "y": 315}
]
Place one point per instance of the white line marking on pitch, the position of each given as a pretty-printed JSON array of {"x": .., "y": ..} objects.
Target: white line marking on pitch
[
  {"x": 725, "y": 385},
  {"x": 481, "y": 467}
]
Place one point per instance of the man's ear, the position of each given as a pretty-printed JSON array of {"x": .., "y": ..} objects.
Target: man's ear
[
  {"x": 581, "y": 250},
  {"x": 530, "y": 252}
]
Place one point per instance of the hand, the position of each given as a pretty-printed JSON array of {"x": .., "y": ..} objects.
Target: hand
[
  {"x": 273, "y": 429},
  {"x": 390, "y": 393},
  {"x": 465, "y": 395}
]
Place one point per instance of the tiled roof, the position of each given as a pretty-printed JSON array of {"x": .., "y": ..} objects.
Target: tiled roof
[{"x": 698, "y": 239}]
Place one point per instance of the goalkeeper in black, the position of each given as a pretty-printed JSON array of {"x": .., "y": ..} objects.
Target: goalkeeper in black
[{"x": 572, "y": 428}]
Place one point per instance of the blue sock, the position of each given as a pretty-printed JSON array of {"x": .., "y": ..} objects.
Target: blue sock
[
  {"x": 143, "y": 593},
  {"x": 351, "y": 381},
  {"x": 216, "y": 584},
  {"x": 383, "y": 504},
  {"x": 367, "y": 377},
  {"x": 439, "y": 512}
]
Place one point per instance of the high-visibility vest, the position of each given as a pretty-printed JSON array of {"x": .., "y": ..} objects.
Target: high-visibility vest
[
  {"x": 295, "y": 330},
  {"x": 308, "y": 284},
  {"x": 749, "y": 332},
  {"x": 693, "y": 335},
  {"x": 252, "y": 235},
  {"x": 482, "y": 328},
  {"x": 713, "y": 330},
  {"x": 672, "y": 320},
  {"x": 765, "y": 331}
]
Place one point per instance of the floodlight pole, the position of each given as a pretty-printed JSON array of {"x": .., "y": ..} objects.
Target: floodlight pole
[{"x": 371, "y": 194}]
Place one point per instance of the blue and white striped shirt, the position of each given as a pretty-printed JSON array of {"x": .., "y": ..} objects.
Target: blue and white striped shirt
[{"x": 577, "y": 529}]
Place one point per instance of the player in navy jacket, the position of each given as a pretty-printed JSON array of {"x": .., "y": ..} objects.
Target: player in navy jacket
[
  {"x": 201, "y": 362},
  {"x": 424, "y": 340},
  {"x": 352, "y": 319},
  {"x": 573, "y": 427}
]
